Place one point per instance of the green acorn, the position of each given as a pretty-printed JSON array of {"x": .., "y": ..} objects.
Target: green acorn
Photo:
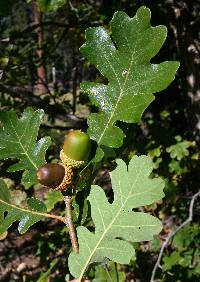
[{"x": 76, "y": 149}]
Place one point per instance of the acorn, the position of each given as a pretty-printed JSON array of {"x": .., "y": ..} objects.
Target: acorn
[
  {"x": 55, "y": 176},
  {"x": 76, "y": 149}
]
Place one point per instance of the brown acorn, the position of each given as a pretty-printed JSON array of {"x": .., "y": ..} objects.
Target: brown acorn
[{"x": 55, "y": 176}]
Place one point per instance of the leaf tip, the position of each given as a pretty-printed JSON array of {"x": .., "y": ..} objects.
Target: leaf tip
[{"x": 144, "y": 12}]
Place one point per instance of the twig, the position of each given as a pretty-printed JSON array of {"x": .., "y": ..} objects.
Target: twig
[
  {"x": 60, "y": 218},
  {"x": 68, "y": 221},
  {"x": 40, "y": 69},
  {"x": 36, "y": 213},
  {"x": 172, "y": 234}
]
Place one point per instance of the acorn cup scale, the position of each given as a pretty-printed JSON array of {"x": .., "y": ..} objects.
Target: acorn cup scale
[{"x": 76, "y": 149}]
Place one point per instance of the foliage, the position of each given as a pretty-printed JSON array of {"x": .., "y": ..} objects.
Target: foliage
[
  {"x": 178, "y": 262},
  {"x": 185, "y": 254},
  {"x": 27, "y": 216},
  {"x": 44, "y": 277},
  {"x": 132, "y": 79},
  {"x": 51, "y": 5},
  {"x": 18, "y": 141},
  {"x": 132, "y": 188},
  {"x": 162, "y": 134},
  {"x": 180, "y": 149},
  {"x": 52, "y": 197}
]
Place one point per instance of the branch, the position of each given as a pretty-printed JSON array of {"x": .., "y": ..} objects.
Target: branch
[
  {"x": 41, "y": 84},
  {"x": 172, "y": 234},
  {"x": 68, "y": 221},
  {"x": 55, "y": 111}
]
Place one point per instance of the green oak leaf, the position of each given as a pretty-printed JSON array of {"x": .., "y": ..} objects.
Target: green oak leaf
[
  {"x": 9, "y": 212},
  {"x": 117, "y": 223},
  {"x": 180, "y": 149},
  {"x": 124, "y": 59},
  {"x": 171, "y": 260},
  {"x": 18, "y": 141}
]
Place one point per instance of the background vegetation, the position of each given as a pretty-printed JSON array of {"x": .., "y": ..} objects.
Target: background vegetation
[{"x": 41, "y": 67}]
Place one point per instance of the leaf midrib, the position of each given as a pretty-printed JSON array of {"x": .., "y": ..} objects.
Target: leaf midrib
[
  {"x": 119, "y": 98},
  {"x": 105, "y": 231},
  {"x": 31, "y": 211}
]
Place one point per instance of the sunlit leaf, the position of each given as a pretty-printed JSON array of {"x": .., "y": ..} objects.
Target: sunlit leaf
[
  {"x": 117, "y": 223},
  {"x": 124, "y": 60},
  {"x": 18, "y": 141},
  {"x": 180, "y": 149},
  {"x": 51, "y": 5},
  {"x": 9, "y": 212}
]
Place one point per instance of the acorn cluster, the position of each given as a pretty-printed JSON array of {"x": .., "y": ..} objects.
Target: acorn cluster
[{"x": 74, "y": 154}]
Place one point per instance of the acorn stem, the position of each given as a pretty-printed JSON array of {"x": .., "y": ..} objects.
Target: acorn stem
[{"x": 69, "y": 223}]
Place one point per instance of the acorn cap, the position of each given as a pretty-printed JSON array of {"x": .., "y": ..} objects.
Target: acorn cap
[
  {"x": 77, "y": 145},
  {"x": 67, "y": 180},
  {"x": 69, "y": 162}
]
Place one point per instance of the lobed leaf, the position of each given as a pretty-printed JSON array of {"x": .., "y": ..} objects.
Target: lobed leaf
[
  {"x": 18, "y": 141},
  {"x": 180, "y": 149},
  {"x": 124, "y": 60},
  {"x": 116, "y": 224},
  {"x": 9, "y": 212}
]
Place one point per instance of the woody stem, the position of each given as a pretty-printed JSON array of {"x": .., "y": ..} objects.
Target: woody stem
[{"x": 69, "y": 223}]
